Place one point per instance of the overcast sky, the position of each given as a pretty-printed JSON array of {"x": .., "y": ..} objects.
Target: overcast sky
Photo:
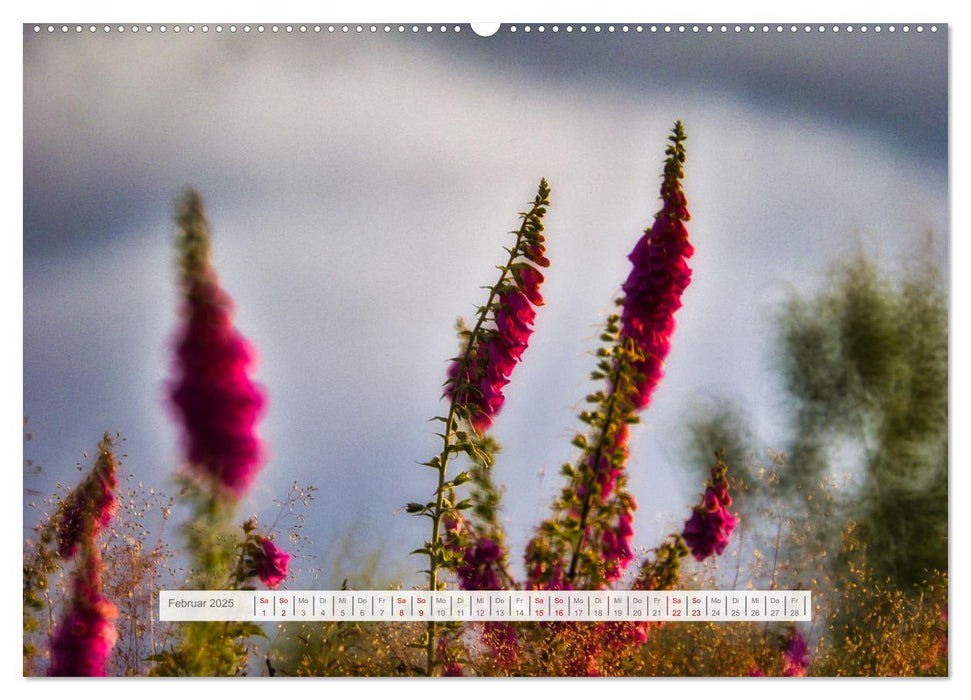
[{"x": 360, "y": 188}]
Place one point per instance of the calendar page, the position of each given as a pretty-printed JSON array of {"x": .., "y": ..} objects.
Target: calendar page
[{"x": 531, "y": 349}]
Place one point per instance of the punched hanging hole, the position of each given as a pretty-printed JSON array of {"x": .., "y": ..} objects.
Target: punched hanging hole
[{"x": 485, "y": 28}]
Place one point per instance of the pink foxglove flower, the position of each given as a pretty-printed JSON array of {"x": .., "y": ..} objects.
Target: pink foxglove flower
[
  {"x": 491, "y": 353},
  {"x": 660, "y": 274},
  {"x": 615, "y": 546},
  {"x": 711, "y": 524},
  {"x": 795, "y": 656},
  {"x": 217, "y": 403},
  {"x": 492, "y": 361},
  {"x": 271, "y": 563},
  {"x": 90, "y": 506},
  {"x": 478, "y": 569},
  {"x": 83, "y": 640},
  {"x": 596, "y": 512}
]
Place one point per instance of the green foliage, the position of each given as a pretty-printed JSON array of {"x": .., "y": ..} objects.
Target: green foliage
[
  {"x": 211, "y": 536},
  {"x": 348, "y": 648},
  {"x": 571, "y": 536},
  {"x": 866, "y": 365},
  {"x": 217, "y": 548},
  {"x": 721, "y": 424},
  {"x": 865, "y": 370},
  {"x": 40, "y": 561},
  {"x": 207, "y": 649},
  {"x": 352, "y": 649}
]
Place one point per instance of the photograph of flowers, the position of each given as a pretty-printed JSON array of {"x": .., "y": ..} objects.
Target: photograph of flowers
[{"x": 548, "y": 307}]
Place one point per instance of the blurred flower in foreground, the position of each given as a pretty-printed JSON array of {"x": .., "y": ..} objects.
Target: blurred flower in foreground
[
  {"x": 86, "y": 635},
  {"x": 90, "y": 506},
  {"x": 83, "y": 640},
  {"x": 261, "y": 558},
  {"x": 217, "y": 403}
]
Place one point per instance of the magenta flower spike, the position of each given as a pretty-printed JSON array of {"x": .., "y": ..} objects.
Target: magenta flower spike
[
  {"x": 591, "y": 533},
  {"x": 660, "y": 274},
  {"x": 216, "y": 402},
  {"x": 84, "y": 639},
  {"x": 484, "y": 380},
  {"x": 710, "y": 526},
  {"x": 492, "y": 350},
  {"x": 89, "y": 508}
]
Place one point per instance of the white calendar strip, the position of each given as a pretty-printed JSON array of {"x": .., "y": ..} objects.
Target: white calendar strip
[{"x": 485, "y": 606}]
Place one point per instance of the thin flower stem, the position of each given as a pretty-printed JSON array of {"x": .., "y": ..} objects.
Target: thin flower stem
[
  {"x": 595, "y": 462},
  {"x": 775, "y": 562},
  {"x": 449, "y": 434},
  {"x": 778, "y": 546},
  {"x": 738, "y": 563}
]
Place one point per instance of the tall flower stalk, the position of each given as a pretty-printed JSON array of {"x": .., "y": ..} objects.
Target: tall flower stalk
[
  {"x": 588, "y": 538},
  {"x": 216, "y": 402},
  {"x": 217, "y": 406},
  {"x": 83, "y": 640},
  {"x": 475, "y": 382},
  {"x": 660, "y": 274},
  {"x": 482, "y": 558}
]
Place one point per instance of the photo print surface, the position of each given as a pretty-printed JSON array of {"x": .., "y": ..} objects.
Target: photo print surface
[{"x": 559, "y": 312}]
